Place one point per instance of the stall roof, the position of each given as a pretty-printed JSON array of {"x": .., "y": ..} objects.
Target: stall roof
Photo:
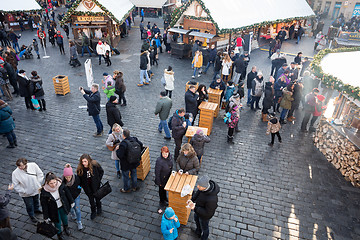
[
  {"x": 118, "y": 10},
  {"x": 179, "y": 30},
  {"x": 19, "y": 5},
  {"x": 203, "y": 35},
  {"x": 149, "y": 3},
  {"x": 253, "y": 13}
]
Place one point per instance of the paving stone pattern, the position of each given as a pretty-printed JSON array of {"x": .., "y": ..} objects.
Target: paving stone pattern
[{"x": 289, "y": 191}]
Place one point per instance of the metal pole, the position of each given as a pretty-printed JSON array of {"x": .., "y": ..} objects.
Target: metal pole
[{"x": 46, "y": 56}]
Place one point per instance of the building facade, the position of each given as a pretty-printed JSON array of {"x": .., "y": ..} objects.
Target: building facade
[{"x": 334, "y": 8}]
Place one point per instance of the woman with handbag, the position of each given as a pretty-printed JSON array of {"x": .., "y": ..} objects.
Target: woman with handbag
[
  {"x": 90, "y": 173},
  {"x": 72, "y": 182},
  {"x": 112, "y": 141},
  {"x": 56, "y": 201},
  {"x": 38, "y": 90}
]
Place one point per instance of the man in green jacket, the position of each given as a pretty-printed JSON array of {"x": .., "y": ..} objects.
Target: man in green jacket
[
  {"x": 163, "y": 108},
  {"x": 85, "y": 44}
]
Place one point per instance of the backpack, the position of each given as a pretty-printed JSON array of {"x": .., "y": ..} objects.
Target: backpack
[
  {"x": 169, "y": 122},
  {"x": 133, "y": 151},
  {"x": 227, "y": 118},
  {"x": 258, "y": 88},
  {"x": 38, "y": 86}
]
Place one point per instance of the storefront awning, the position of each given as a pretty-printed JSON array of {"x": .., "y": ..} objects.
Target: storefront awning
[
  {"x": 179, "y": 30},
  {"x": 149, "y": 3},
  {"x": 19, "y": 5},
  {"x": 200, "y": 34}
]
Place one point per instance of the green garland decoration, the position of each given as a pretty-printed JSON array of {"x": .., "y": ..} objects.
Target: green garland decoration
[
  {"x": 177, "y": 13},
  {"x": 106, "y": 12},
  {"x": 197, "y": 18},
  {"x": 329, "y": 80}
]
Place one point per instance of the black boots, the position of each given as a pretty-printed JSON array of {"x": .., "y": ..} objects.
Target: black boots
[
  {"x": 67, "y": 230},
  {"x": 230, "y": 139},
  {"x": 118, "y": 174}
]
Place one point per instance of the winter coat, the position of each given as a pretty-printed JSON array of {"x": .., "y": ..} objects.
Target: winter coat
[
  {"x": 215, "y": 84},
  {"x": 122, "y": 152},
  {"x": 286, "y": 99},
  {"x": 268, "y": 100},
  {"x": 206, "y": 201},
  {"x": 10, "y": 71},
  {"x": 273, "y": 126},
  {"x": 191, "y": 102},
  {"x": 234, "y": 119},
  {"x": 167, "y": 224},
  {"x": 96, "y": 177},
  {"x": 280, "y": 72},
  {"x": 119, "y": 85},
  {"x": 163, "y": 107},
  {"x": 169, "y": 80},
  {"x": 143, "y": 60},
  {"x": 113, "y": 114},
  {"x": 74, "y": 189},
  {"x": 310, "y": 99},
  {"x": 278, "y": 87},
  {"x": 178, "y": 130},
  {"x": 250, "y": 77},
  {"x": 27, "y": 183},
  {"x": 202, "y": 97},
  {"x": 163, "y": 169},
  {"x": 49, "y": 206},
  {"x": 198, "y": 141},
  {"x": 6, "y": 120},
  {"x": 73, "y": 52},
  {"x": 13, "y": 37},
  {"x": 188, "y": 163},
  {"x": 100, "y": 49},
  {"x": 226, "y": 68},
  {"x": 110, "y": 142},
  {"x": 4, "y": 200},
  {"x": 93, "y": 102},
  {"x": 36, "y": 87},
  {"x": 4, "y": 78},
  {"x": 109, "y": 91},
  {"x": 239, "y": 65},
  {"x": 59, "y": 39},
  {"x": 320, "y": 106},
  {"x": 212, "y": 54},
  {"x": 229, "y": 92},
  {"x": 217, "y": 64},
  {"x": 295, "y": 73},
  {"x": 24, "y": 86},
  {"x": 36, "y": 46},
  {"x": 199, "y": 61},
  {"x": 257, "y": 81}
]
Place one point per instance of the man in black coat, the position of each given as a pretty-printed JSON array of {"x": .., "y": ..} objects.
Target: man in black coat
[
  {"x": 205, "y": 200},
  {"x": 191, "y": 102},
  {"x": 12, "y": 77},
  {"x": 113, "y": 113},
  {"x": 93, "y": 106},
  {"x": 250, "y": 77},
  {"x": 217, "y": 65},
  {"x": 178, "y": 126},
  {"x": 126, "y": 167},
  {"x": 143, "y": 69},
  {"x": 24, "y": 88},
  {"x": 239, "y": 69}
]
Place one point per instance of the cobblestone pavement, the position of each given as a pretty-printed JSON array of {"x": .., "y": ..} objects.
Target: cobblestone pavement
[{"x": 289, "y": 191}]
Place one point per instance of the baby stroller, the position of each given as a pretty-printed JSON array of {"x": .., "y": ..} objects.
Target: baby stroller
[{"x": 25, "y": 52}]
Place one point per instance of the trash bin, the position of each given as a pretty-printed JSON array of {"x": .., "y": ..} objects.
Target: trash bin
[{"x": 61, "y": 85}]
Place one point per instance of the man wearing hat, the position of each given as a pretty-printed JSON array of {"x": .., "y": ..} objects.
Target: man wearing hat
[{"x": 204, "y": 203}]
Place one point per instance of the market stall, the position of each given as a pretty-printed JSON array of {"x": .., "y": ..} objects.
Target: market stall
[
  {"x": 151, "y": 8},
  {"x": 338, "y": 134},
  {"x": 18, "y": 12},
  {"x": 97, "y": 18}
]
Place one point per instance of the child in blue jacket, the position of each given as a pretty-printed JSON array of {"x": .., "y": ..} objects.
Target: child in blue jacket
[{"x": 169, "y": 224}]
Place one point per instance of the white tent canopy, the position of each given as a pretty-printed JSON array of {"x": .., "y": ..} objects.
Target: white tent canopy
[
  {"x": 149, "y": 3},
  {"x": 231, "y": 14},
  {"x": 19, "y": 5}
]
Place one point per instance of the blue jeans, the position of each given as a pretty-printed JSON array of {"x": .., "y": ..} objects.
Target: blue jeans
[
  {"x": 210, "y": 63},
  {"x": 76, "y": 209},
  {"x": 202, "y": 226},
  {"x": 195, "y": 70},
  {"x": 215, "y": 74},
  {"x": 283, "y": 113},
  {"x": 126, "y": 179},
  {"x": 98, "y": 123},
  {"x": 249, "y": 96},
  {"x": 32, "y": 204},
  {"x": 298, "y": 39},
  {"x": 143, "y": 73},
  {"x": 16, "y": 44},
  {"x": 11, "y": 137},
  {"x": 117, "y": 165},
  {"x": 163, "y": 124},
  {"x": 87, "y": 49}
]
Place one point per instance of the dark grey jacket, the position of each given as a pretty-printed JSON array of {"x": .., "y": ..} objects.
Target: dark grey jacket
[
  {"x": 93, "y": 102},
  {"x": 4, "y": 200},
  {"x": 198, "y": 143}
]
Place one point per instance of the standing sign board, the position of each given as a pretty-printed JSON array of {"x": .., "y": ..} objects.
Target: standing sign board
[{"x": 89, "y": 72}]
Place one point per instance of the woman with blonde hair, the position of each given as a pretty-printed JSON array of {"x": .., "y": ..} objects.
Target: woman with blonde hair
[
  {"x": 197, "y": 62},
  {"x": 187, "y": 162},
  {"x": 90, "y": 173},
  {"x": 112, "y": 141},
  {"x": 226, "y": 65}
]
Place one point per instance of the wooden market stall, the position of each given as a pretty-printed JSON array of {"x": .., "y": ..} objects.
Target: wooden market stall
[
  {"x": 338, "y": 134},
  {"x": 97, "y": 18}
]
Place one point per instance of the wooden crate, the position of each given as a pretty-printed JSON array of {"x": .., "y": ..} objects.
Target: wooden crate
[
  {"x": 61, "y": 84},
  {"x": 174, "y": 186},
  {"x": 215, "y": 97},
  {"x": 144, "y": 168},
  {"x": 207, "y": 110},
  {"x": 191, "y": 130},
  {"x": 188, "y": 85}
]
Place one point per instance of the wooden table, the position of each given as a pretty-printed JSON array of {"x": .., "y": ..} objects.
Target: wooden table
[
  {"x": 188, "y": 85},
  {"x": 207, "y": 110},
  {"x": 174, "y": 186},
  {"x": 215, "y": 97},
  {"x": 190, "y": 132}
]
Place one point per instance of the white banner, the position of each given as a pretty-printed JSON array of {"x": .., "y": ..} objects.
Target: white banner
[{"x": 89, "y": 72}]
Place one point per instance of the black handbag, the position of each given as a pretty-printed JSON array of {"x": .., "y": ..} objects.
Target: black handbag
[
  {"x": 46, "y": 229},
  {"x": 104, "y": 190}
]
